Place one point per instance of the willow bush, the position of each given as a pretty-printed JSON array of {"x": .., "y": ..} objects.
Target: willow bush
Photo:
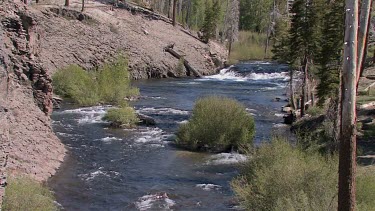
[
  {"x": 217, "y": 124},
  {"x": 124, "y": 116},
  {"x": 110, "y": 84}
]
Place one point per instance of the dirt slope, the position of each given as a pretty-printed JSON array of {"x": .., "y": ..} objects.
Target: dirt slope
[{"x": 103, "y": 33}]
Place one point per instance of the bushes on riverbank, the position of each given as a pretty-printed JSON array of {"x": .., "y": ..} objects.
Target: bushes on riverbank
[
  {"x": 109, "y": 84},
  {"x": 217, "y": 124},
  {"x": 23, "y": 193},
  {"x": 280, "y": 176}
]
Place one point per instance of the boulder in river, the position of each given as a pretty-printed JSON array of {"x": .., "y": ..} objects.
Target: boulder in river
[{"x": 146, "y": 120}]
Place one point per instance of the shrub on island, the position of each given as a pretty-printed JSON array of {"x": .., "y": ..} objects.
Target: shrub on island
[
  {"x": 122, "y": 117},
  {"x": 217, "y": 124}
]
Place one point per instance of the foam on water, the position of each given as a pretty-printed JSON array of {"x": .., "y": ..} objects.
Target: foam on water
[
  {"x": 227, "y": 74},
  {"x": 153, "y": 110},
  {"x": 152, "y": 136},
  {"x": 89, "y": 114},
  {"x": 109, "y": 139},
  {"x": 227, "y": 158},
  {"x": 279, "y": 115},
  {"x": 208, "y": 187},
  {"x": 158, "y": 201}
]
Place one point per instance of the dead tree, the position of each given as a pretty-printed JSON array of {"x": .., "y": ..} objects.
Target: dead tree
[
  {"x": 363, "y": 32},
  {"x": 83, "y": 5},
  {"x": 347, "y": 150},
  {"x": 187, "y": 65},
  {"x": 66, "y": 3},
  {"x": 174, "y": 12}
]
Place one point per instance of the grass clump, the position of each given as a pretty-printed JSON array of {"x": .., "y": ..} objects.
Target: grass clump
[
  {"x": 281, "y": 177},
  {"x": 217, "y": 124},
  {"x": 366, "y": 189},
  {"x": 23, "y": 193},
  {"x": 110, "y": 84},
  {"x": 250, "y": 46},
  {"x": 123, "y": 116}
]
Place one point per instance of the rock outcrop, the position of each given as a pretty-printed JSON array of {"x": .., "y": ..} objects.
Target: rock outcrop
[{"x": 28, "y": 144}]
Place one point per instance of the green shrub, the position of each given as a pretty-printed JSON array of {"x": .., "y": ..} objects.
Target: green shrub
[
  {"x": 315, "y": 111},
  {"x": 114, "y": 82},
  {"x": 281, "y": 177},
  {"x": 75, "y": 83},
  {"x": 109, "y": 84},
  {"x": 26, "y": 194},
  {"x": 217, "y": 124},
  {"x": 124, "y": 116}
]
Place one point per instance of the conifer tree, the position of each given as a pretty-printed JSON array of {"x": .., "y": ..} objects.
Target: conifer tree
[{"x": 330, "y": 54}]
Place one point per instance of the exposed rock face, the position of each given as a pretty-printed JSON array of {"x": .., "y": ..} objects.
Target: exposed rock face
[{"x": 28, "y": 144}]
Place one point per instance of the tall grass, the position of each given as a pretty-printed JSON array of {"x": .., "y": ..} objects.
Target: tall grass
[
  {"x": 23, "y": 193},
  {"x": 217, "y": 124},
  {"x": 109, "y": 84},
  {"x": 250, "y": 46},
  {"x": 280, "y": 177}
]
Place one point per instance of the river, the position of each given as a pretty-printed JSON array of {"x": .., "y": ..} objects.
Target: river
[{"x": 139, "y": 169}]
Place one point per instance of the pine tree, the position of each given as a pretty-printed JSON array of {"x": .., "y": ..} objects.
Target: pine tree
[
  {"x": 330, "y": 55},
  {"x": 210, "y": 20},
  {"x": 304, "y": 36}
]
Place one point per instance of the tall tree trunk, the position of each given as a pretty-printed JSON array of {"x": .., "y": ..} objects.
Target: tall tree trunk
[
  {"x": 25, "y": 1},
  {"x": 37, "y": 1},
  {"x": 66, "y": 3},
  {"x": 347, "y": 152},
  {"x": 292, "y": 98},
  {"x": 305, "y": 92},
  {"x": 362, "y": 65},
  {"x": 174, "y": 12},
  {"x": 83, "y": 5},
  {"x": 362, "y": 33},
  {"x": 188, "y": 13}
]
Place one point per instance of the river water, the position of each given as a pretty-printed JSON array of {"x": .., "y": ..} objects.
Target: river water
[{"x": 139, "y": 169}]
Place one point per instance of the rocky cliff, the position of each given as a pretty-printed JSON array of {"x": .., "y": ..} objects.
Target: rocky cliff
[{"x": 28, "y": 144}]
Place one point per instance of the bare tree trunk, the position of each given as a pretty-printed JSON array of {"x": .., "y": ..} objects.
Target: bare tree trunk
[
  {"x": 292, "y": 98},
  {"x": 347, "y": 152},
  {"x": 305, "y": 87},
  {"x": 174, "y": 12},
  {"x": 83, "y": 5},
  {"x": 37, "y": 1},
  {"x": 66, "y": 3},
  {"x": 362, "y": 67},
  {"x": 25, "y": 1},
  {"x": 362, "y": 33}
]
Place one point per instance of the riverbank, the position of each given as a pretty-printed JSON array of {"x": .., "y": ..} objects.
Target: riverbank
[{"x": 37, "y": 40}]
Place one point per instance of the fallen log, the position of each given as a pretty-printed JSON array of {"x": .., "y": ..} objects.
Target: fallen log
[{"x": 188, "y": 67}]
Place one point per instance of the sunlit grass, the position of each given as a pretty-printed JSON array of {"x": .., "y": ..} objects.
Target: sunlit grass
[{"x": 250, "y": 46}]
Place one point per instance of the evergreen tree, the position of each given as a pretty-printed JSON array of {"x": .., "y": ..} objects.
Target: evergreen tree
[
  {"x": 210, "y": 20},
  {"x": 331, "y": 52}
]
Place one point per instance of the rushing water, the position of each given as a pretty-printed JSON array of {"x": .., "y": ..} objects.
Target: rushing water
[{"x": 138, "y": 169}]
